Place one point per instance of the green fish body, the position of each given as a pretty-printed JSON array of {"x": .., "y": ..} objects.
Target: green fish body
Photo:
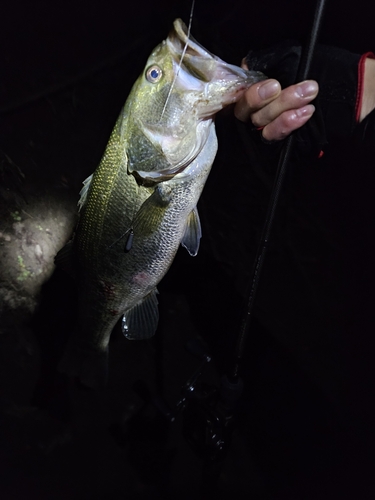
[{"x": 140, "y": 203}]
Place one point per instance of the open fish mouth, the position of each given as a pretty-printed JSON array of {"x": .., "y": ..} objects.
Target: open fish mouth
[
  {"x": 179, "y": 38},
  {"x": 205, "y": 67},
  {"x": 199, "y": 84}
]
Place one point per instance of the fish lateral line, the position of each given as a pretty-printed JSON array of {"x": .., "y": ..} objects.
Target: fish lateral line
[{"x": 156, "y": 200}]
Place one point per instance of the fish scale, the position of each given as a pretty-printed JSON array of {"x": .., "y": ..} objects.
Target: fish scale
[{"x": 140, "y": 203}]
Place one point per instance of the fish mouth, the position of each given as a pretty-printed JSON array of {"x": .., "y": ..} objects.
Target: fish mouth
[
  {"x": 179, "y": 38},
  {"x": 223, "y": 83},
  {"x": 207, "y": 84}
]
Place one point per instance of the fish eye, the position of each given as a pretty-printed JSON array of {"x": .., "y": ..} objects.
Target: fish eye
[{"x": 154, "y": 73}]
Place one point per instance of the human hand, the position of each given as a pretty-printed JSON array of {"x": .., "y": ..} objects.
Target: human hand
[{"x": 278, "y": 112}]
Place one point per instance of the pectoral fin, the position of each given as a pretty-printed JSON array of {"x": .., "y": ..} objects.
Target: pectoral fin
[
  {"x": 193, "y": 233},
  {"x": 141, "y": 321},
  {"x": 152, "y": 211}
]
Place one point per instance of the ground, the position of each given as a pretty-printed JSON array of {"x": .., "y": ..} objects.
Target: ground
[{"x": 303, "y": 424}]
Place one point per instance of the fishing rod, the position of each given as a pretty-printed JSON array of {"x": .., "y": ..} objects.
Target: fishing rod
[
  {"x": 302, "y": 74},
  {"x": 208, "y": 411},
  {"x": 213, "y": 416}
]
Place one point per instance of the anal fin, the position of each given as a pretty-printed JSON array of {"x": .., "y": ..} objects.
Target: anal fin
[{"x": 140, "y": 322}]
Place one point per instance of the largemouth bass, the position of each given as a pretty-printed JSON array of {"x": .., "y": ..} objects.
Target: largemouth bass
[{"x": 140, "y": 203}]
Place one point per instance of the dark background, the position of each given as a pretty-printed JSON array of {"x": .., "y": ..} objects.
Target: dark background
[{"x": 304, "y": 427}]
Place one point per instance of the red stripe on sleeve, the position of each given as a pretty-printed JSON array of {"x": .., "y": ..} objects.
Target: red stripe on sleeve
[{"x": 361, "y": 74}]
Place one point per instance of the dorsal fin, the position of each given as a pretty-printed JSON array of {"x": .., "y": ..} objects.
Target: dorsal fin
[{"x": 83, "y": 192}]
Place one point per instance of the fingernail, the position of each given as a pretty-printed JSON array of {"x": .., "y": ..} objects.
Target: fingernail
[
  {"x": 306, "y": 111},
  {"x": 269, "y": 89},
  {"x": 307, "y": 89}
]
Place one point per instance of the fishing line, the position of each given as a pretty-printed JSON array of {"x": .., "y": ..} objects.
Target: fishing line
[
  {"x": 302, "y": 74},
  {"x": 130, "y": 232},
  {"x": 182, "y": 57},
  {"x": 129, "y": 240}
]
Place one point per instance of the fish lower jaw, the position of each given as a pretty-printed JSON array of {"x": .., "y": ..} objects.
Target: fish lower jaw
[
  {"x": 236, "y": 94},
  {"x": 210, "y": 107}
]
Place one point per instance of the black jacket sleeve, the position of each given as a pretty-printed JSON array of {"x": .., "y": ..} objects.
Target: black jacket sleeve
[{"x": 339, "y": 74}]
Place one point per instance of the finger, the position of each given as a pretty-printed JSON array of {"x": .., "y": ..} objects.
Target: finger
[
  {"x": 287, "y": 122},
  {"x": 256, "y": 97},
  {"x": 291, "y": 98}
]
